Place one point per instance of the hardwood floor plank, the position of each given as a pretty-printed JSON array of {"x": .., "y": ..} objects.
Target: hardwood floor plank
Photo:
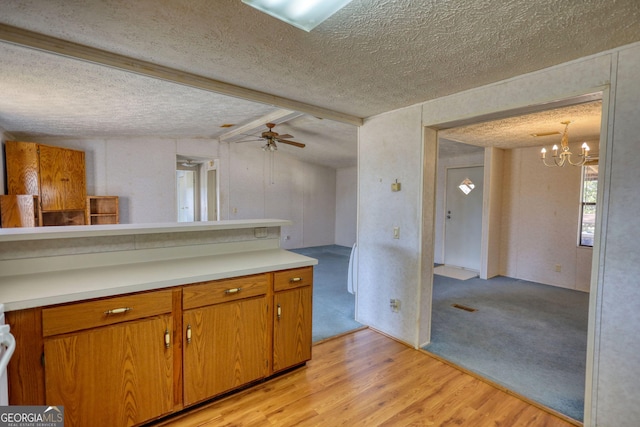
[{"x": 368, "y": 379}]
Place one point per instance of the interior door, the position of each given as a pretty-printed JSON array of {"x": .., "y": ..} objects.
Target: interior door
[
  {"x": 463, "y": 217},
  {"x": 186, "y": 185}
]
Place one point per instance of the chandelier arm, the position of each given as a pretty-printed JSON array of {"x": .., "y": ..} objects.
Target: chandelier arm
[
  {"x": 580, "y": 162},
  {"x": 550, "y": 165}
]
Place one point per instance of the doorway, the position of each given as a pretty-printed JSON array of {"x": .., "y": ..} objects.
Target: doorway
[
  {"x": 197, "y": 195},
  {"x": 526, "y": 242},
  {"x": 187, "y": 194}
]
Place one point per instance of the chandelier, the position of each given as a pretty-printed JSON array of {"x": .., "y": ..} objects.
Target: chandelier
[{"x": 564, "y": 156}]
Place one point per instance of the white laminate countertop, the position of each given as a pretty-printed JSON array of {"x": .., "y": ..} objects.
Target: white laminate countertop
[
  {"x": 79, "y": 231},
  {"x": 54, "y": 287}
]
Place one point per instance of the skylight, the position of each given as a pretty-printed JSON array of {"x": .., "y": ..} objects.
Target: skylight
[{"x": 303, "y": 14}]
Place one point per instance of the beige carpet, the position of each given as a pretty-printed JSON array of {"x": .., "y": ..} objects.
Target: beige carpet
[{"x": 454, "y": 272}]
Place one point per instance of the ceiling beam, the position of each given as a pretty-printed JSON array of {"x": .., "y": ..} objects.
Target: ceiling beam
[
  {"x": 277, "y": 117},
  {"x": 25, "y": 38}
]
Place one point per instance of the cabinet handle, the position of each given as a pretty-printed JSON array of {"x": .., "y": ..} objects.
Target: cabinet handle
[
  {"x": 295, "y": 279},
  {"x": 232, "y": 291},
  {"x": 279, "y": 311},
  {"x": 118, "y": 310},
  {"x": 189, "y": 334},
  {"x": 167, "y": 338}
]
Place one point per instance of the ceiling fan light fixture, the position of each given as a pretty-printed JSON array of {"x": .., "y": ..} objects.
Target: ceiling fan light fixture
[
  {"x": 303, "y": 14},
  {"x": 270, "y": 146}
]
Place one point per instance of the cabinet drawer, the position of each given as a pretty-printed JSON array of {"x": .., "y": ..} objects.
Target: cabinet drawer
[
  {"x": 296, "y": 277},
  {"x": 91, "y": 314},
  {"x": 224, "y": 290}
]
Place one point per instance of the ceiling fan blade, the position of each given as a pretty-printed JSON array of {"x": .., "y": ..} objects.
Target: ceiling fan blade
[
  {"x": 285, "y": 136},
  {"x": 295, "y": 144}
]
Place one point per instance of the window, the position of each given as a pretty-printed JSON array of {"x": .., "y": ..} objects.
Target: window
[{"x": 588, "y": 204}]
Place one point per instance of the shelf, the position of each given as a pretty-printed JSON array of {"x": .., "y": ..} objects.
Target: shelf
[
  {"x": 67, "y": 218},
  {"x": 102, "y": 210}
]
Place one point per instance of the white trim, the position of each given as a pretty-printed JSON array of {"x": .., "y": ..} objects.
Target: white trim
[{"x": 599, "y": 247}]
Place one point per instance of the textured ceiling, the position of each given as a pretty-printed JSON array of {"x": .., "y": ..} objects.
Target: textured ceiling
[
  {"x": 46, "y": 94},
  {"x": 514, "y": 132},
  {"x": 373, "y": 56}
]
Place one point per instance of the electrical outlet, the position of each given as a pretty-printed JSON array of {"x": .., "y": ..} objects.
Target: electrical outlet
[
  {"x": 558, "y": 268},
  {"x": 394, "y": 304}
]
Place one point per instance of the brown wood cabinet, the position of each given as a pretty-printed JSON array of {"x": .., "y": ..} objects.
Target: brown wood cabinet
[
  {"x": 225, "y": 335},
  {"x": 57, "y": 175},
  {"x": 105, "y": 359},
  {"x": 292, "y": 324},
  {"x": 129, "y": 359},
  {"x": 121, "y": 375},
  {"x": 19, "y": 211},
  {"x": 63, "y": 185}
]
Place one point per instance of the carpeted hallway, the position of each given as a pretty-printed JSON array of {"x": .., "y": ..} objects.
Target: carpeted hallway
[
  {"x": 333, "y": 305},
  {"x": 529, "y": 337}
]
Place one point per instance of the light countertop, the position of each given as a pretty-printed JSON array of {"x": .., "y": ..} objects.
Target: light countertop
[
  {"x": 54, "y": 287},
  {"x": 75, "y": 231},
  {"x": 48, "y": 268}
]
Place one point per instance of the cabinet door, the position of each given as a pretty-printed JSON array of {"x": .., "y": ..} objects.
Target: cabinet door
[
  {"x": 62, "y": 179},
  {"x": 292, "y": 327},
  {"x": 118, "y": 375},
  {"x": 225, "y": 348},
  {"x": 22, "y": 168}
]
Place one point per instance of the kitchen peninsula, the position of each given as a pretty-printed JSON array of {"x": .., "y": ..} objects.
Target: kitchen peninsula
[{"x": 123, "y": 324}]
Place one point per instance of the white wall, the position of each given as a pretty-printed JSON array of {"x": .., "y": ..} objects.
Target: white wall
[
  {"x": 294, "y": 190},
  {"x": 141, "y": 171},
  {"x": 533, "y": 212},
  {"x": 319, "y": 212},
  {"x": 387, "y": 267},
  {"x": 492, "y": 212},
  {"x": 390, "y": 268},
  {"x": 346, "y": 206},
  {"x": 540, "y": 227}
]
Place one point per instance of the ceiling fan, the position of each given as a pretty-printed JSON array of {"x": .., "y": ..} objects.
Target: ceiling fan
[{"x": 272, "y": 137}]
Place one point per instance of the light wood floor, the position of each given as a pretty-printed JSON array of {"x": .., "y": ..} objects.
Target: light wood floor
[{"x": 368, "y": 379}]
